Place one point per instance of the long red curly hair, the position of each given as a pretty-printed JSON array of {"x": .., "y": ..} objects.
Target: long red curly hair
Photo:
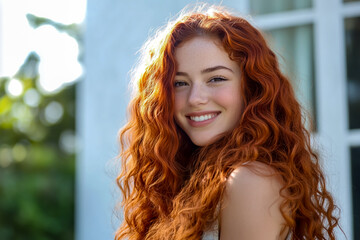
[{"x": 170, "y": 187}]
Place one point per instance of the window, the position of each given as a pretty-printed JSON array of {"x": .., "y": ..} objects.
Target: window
[
  {"x": 266, "y": 6},
  {"x": 294, "y": 48},
  {"x": 355, "y": 177},
  {"x": 352, "y": 40},
  {"x": 345, "y": 1}
]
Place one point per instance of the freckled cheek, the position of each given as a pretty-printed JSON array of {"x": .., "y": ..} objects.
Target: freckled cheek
[
  {"x": 179, "y": 104},
  {"x": 228, "y": 97}
]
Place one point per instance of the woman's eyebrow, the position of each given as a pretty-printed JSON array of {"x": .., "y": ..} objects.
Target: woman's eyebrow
[
  {"x": 182, "y": 74},
  {"x": 206, "y": 70},
  {"x": 211, "y": 69}
]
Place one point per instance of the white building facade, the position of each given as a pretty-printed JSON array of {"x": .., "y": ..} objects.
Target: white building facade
[{"x": 318, "y": 44}]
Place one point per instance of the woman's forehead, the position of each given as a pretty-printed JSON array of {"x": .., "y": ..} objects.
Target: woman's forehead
[{"x": 202, "y": 52}]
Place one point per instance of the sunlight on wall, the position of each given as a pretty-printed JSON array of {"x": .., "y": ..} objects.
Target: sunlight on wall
[{"x": 56, "y": 50}]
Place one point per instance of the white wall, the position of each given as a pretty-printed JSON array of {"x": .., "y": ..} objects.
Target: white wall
[{"x": 115, "y": 30}]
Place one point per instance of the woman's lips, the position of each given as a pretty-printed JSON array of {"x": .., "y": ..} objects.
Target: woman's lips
[{"x": 201, "y": 119}]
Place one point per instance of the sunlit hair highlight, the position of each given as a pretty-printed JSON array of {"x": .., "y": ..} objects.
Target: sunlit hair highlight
[{"x": 171, "y": 188}]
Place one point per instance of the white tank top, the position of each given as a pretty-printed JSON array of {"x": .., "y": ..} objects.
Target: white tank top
[{"x": 213, "y": 234}]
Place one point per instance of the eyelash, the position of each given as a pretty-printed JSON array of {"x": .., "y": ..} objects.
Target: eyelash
[
  {"x": 218, "y": 79},
  {"x": 212, "y": 80},
  {"x": 176, "y": 84}
]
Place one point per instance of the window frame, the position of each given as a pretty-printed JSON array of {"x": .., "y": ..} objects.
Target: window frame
[{"x": 333, "y": 138}]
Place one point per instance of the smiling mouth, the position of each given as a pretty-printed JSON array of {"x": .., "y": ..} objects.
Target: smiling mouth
[{"x": 202, "y": 118}]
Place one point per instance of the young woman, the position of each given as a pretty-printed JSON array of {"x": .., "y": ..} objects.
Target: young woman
[{"x": 215, "y": 147}]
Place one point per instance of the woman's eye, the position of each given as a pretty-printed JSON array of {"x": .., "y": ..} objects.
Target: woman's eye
[
  {"x": 217, "y": 79},
  {"x": 179, "y": 84}
]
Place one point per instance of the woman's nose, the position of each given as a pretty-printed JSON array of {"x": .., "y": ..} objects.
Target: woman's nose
[{"x": 198, "y": 95}]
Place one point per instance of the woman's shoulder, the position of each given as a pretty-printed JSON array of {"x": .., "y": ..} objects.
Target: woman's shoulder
[
  {"x": 254, "y": 183},
  {"x": 254, "y": 174},
  {"x": 251, "y": 202}
]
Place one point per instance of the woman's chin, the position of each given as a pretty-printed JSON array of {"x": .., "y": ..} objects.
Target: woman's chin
[{"x": 202, "y": 142}]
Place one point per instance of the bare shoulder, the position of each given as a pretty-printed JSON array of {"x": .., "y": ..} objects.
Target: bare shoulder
[
  {"x": 254, "y": 176},
  {"x": 252, "y": 202}
]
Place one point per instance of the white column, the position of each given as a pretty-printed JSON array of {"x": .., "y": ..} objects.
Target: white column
[{"x": 332, "y": 105}]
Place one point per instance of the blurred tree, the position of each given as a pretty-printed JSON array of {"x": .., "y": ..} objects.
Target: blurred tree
[{"x": 37, "y": 153}]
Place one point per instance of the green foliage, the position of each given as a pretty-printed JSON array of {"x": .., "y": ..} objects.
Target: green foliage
[
  {"x": 37, "y": 158},
  {"x": 73, "y": 30}
]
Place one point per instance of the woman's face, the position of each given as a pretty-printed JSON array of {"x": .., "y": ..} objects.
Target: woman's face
[{"x": 207, "y": 90}]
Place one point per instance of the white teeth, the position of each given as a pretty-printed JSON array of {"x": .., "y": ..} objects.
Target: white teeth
[{"x": 203, "y": 117}]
